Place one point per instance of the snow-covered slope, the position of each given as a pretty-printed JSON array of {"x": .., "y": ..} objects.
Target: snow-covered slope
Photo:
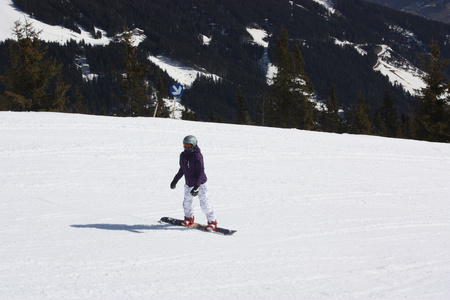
[
  {"x": 319, "y": 216},
  {"x": 182, "y": 74},
  {"x": 259, "y": 35},
  {"x": 328, "y": 4},
  {"x": 10, "y": 14},
  {"x": 397, "y": 69}
]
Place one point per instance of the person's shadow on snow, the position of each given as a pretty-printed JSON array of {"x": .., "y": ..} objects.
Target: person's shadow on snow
[{"x": 130, "y": 228}]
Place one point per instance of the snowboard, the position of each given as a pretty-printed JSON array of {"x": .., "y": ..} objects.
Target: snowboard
[{"x": 198, "y": 226}]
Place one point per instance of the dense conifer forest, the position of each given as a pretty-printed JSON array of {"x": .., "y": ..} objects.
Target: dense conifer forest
[{"x": 174, "y": 28}]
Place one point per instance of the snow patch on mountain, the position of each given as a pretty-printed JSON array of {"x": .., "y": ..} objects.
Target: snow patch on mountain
[
  {"x": 399, "y": 72},
  {"x": 328, "y": 4},
  {"x": 175, "y": 107},
  {"x": 259, "y": 37},
  {"x": 205, "y": 40},
  {"x": 357, "y": 47},
  {"x": 82, "y": 64},
  {"x": 179, "y": 72},
  {"x": 398, "y": 69},
  {"x": 137, "y": 36},
  {"x": 410, "y": 37},
  {"x": 59, "y": 34}
]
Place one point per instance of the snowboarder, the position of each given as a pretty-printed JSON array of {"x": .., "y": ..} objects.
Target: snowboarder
[{"x": 193, "y": 169}]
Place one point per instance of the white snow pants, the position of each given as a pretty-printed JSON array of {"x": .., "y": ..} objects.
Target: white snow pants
[{"x": 188, "y": 204}]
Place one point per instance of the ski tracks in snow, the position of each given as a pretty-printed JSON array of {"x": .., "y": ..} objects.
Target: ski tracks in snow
[{"x": 319, "y": 216}]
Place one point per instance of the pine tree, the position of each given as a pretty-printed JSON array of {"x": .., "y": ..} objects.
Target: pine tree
[
  {"x": 32, "y": 80},
  {"x": 278, "y": 96},
  {"x": 161, "y": 110},
  {"x": 379, "y": 124},
  {"x": 212, "y": 116},
  {"x": 302, "y": 90},
  {"x": 331, "y": 115},
  {"x": 189, "y": 115},
  {"x": 432, "y": 116},
  {"x": 406, "y": 128},
  {"x": 390, "y": 115},
  {"x": 242, "y": 116},
  {"x": 79, "y": 107},
  {"x": 132, "y": 81},
  {"x": 287, "y": 99},
  {"x": 361, "y": 121}
]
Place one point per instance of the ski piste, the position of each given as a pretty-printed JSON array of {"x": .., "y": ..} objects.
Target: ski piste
[{"x": 219, "y": 230}]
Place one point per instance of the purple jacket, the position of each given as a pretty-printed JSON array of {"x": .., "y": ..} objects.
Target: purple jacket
[{"x": 192, "y": 167}]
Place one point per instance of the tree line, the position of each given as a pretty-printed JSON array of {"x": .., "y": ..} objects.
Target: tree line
[
  {"x": 35, "y": 80},
  {"x": 174, "y": 29},
  {"x": 288, "y": 102}
]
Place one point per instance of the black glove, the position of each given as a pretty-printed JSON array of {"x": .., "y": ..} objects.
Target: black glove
[
  {"x": 173, "y": 184},
  {"x": 194, "y": 191}
]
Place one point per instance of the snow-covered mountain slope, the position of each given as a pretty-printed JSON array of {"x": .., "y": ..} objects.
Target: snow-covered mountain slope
[
  {"x": 319, "y": 216},
  {"x": 398, "y": 69},
  {"x": 259, "y": 38},
  {"x": 328, "y": 4},
  {"x": 399, "y": 72},
  {"x": 182, "y": 74},
  {"x": 10, "y": 14}
]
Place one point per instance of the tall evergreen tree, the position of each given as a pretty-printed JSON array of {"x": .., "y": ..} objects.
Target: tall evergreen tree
[
  {"x": 302, "y": 89},
  {"x": 212, "y": 116},
  {"x": 406, "y": 128},
  {"x": 331, "y": 115},
  {"x": 361, "y": 121},
  {"x": 161, "y": 92},
  {"x": 133, "y": 84},
  {"x": 287, "y": 100},
  {"x": 33, "y": 81},
  {"x": 278, "y": 96},
  {"x": 379, "y": 124},
  {"x": 432, "y": 116},
  {"x": 242, "y": 116},
  {"x": 390, "y": 115}
]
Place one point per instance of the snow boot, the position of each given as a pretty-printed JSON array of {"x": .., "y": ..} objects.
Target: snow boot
[
  {"x": 212, "y": 226},
  {"x": 188, "y": 222}
]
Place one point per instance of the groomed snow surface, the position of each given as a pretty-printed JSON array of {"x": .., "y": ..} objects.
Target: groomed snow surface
[{"x": 319, "y": 216}]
